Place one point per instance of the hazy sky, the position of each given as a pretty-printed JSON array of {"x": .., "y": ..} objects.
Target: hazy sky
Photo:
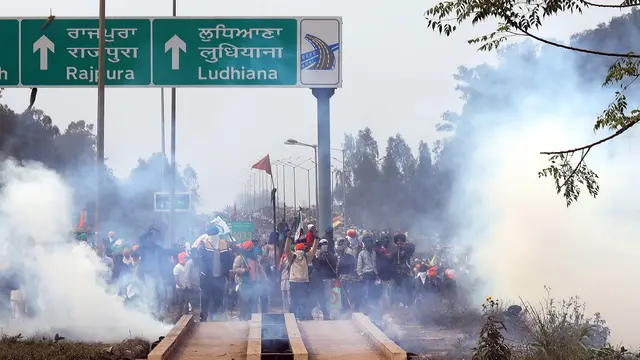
[{"x": 397, "y": 77}]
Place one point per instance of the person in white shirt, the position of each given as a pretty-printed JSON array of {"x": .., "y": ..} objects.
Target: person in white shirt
[
  {"x": 182, "y": 283},
  {"x": 367, "y": 271}
]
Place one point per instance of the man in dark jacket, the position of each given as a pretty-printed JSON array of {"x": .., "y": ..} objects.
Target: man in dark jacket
[
  {"x": 346, "y": 272},
  {"x": 402, "y": 284},
  {"x": 322, "y": 276},
  {"x": 215, "y": 261}
]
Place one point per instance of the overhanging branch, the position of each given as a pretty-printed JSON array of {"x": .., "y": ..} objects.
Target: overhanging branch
[
  {"x": 567, "y": 47},
  {"x": 619, "y": 6},
  {"x": 593, "y": 144}
]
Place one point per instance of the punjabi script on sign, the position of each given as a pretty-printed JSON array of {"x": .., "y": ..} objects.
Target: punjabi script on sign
[{"x": 213, "y": 54}]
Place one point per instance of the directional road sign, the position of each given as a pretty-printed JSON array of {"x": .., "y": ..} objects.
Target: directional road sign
[
  {"x": 240, "y": 52},
  {"x": 9, "y": 54},
  {"x": 242, "y": 230},
  {"x": 162, "y": 201},
  {"x": 65, "y": 52},
  {"x": 154, "y": 52}
]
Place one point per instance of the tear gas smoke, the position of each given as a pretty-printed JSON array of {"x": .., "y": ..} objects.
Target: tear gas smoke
[
  {"x": 523, "y": 234},
  {"x": 60, "y": 277}
]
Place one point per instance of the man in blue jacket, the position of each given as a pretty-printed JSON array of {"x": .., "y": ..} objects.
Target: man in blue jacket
[{"x": 215, "y": 261}]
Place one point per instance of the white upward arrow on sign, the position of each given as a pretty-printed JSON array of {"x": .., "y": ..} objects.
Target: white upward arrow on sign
[
  {"x": 175, "y": 44},
  {"x": 44, "y": 45}
]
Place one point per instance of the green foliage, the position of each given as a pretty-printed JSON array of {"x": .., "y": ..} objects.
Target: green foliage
[
  {"x": 521, "y": 18},
  {"x": 396, "y": 190},
  {"x": 491, "y": 344},
  {"x": 554, "y": 330},
  {"x": 566, "y": 176}
]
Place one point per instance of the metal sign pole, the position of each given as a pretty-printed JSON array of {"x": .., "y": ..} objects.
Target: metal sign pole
[
  {"x": 323, "y": 96},
  {"x": 100, "y": 127},
  {"x": 172, "y": 212}
]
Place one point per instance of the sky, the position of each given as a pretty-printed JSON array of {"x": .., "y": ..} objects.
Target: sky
[{"x": 397, "y": 78}]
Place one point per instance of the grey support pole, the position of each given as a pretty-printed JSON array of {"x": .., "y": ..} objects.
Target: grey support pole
[
  {"x": 100, "y": 127},
  {"x": 323, "y": 97},
  {"x": 172, "y": 212}
]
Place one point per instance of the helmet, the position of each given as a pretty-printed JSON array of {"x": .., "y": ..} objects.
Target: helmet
[
  {"x": 352, "y": 233},
  {"x": 212, "y": 230}
]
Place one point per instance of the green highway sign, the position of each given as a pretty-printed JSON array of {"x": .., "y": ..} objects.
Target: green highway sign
[
  {"x": 242, "y": 230},
  {"x": 10, "y": 52},
  {"x": 65, "y": 52},
  {"x": 162, "y": 201},
  {"x": 238, "y": 52},
  {"x": 173, "y": 52}
]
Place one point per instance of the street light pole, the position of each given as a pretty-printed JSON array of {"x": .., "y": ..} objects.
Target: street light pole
[
  {"x": 315, "y": 154},
  {"x": 254, "y": 191},
  {"x": 309, "y": 187},
  {"x": 344, "y": 180},
  {"x": 293, "y": 166}
]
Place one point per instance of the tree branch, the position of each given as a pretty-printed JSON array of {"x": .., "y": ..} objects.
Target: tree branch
[
  {"x": 567, "y": 47},
  {"x": 593, "y": 144},
  {"x": 575, "y": 169},
  {"x": 619, "y": 6}
]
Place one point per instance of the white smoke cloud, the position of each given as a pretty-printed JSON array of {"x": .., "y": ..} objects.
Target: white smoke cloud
[
  {"x": 35, "y": 224},
  {"x": 524, "y": 236}
]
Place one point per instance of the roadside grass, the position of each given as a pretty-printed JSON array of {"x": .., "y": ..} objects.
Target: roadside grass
[
  {"x": 553, "y": 330},
  {"x": 18, "y": 348}
]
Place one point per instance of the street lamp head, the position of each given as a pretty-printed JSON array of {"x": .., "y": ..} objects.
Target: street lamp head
[{"x": 291, "y": 142}]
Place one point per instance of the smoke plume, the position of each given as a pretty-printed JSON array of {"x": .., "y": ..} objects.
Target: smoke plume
[
  {"x": 524, "y": 236},
  {"x": 62, "y": 279}
]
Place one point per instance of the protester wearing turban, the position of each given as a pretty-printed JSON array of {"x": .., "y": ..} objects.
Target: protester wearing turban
[
  {"x": 299, "y": 277},
  {"x": 249, "y": 273}
]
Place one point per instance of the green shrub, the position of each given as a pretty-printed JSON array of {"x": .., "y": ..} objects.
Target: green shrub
[{"x": 491, "y": 344}]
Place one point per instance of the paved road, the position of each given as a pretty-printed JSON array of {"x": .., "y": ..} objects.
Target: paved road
[{"x": 326, "y": 57}]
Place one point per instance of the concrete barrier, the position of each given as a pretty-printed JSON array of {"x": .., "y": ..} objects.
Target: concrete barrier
[
  {"x": 295, "y": 338},
  {"x": 254, "y": 340},
  {"x": 167, "y": 346},
  {"x": 386, "y": 346}
]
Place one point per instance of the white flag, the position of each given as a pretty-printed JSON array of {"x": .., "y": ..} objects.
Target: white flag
[{"x": 224, "y": 228}]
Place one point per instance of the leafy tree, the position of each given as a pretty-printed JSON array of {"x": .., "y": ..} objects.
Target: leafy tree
[{"x": 567, "y": 167}]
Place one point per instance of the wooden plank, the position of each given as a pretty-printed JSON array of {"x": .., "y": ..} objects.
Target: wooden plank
[
  {"x": 295, "y": 339},
  {"x": 177, "y": 334},
  {"x": 390, "y": 349}
]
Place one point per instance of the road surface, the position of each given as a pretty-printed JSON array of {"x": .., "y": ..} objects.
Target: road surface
[{"x": 326, "y": 57}]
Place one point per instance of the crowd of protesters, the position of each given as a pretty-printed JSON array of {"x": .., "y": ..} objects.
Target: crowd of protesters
[{"x": 294, "y": 271}]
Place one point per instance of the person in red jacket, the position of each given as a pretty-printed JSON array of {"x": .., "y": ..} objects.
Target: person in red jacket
[{"x": 312, "y": 234}]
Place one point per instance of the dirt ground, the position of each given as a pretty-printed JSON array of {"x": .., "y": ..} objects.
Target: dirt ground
[{"x": 18, "y": 348}]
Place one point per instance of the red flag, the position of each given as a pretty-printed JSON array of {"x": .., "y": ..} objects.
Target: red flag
[{"x": 264, "y": 164}]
